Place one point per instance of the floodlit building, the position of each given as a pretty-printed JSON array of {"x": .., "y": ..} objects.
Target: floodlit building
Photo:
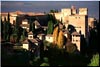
[
  {"x": 91, "y": 22},
  {"x": 30, "y": 35},
  {"x": 49, "y": 38},
  {"x": 76, "y": 39},
  {"x": 41, "y": 36},
  {"x": 26, "y": 45},
  {"x": 25, "y": 25},
  {"x": 79, "y": 21}
]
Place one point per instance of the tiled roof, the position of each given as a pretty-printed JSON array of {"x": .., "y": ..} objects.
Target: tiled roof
[
  {"x": 30, "y": 33},
  {"x": 40, "y": 34},
  {"x": 25, "y": 41},
  {"x": 34, "y": 40}
]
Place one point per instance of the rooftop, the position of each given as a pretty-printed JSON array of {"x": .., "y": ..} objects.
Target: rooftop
[
  {"x": 30, "y": 33},
  {"x": 75, "y": 33}
]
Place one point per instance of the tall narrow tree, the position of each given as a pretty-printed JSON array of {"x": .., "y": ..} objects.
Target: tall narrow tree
[
  {"x": 23, "y": 36},
  {"x": 50, "y": 27},
  {"x": 60, "y": 41},
  {"x": 55, "y": 35},
  {"x": 33, "y": 27}
]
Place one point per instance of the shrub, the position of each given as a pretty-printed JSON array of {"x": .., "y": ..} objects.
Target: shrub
[
  {"x": 94, "y": 60},
  {"x": 44, "y": 64}
]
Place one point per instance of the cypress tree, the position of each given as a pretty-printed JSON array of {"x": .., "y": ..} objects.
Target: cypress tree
[{"x": 50, "y": 27}]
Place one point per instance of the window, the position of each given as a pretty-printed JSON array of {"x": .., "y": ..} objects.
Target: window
[
  {"x": 76, "y": 40},
  {"x": 30, "y": 36}
]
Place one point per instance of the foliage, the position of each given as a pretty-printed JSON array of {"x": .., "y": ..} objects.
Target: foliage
[
  {"x": 44, "y": 64},
  {"x": 60, "y": 41},
  {"x": 6, "y": 29},
  {"x": 13, "y": 38},
  {"x": 94, "y": 60},
  {"x": 55, "y": 35},
  {"x": 33, "y": 27},
  {"x": 50, "y": 27},
  {"x": 23, "y": 36},
  {"x": 46, "y": 43},
  {"x": 71, "y": 48},
  {"x": 45, "y": 59},
  {"x": 53, "y": 11}
]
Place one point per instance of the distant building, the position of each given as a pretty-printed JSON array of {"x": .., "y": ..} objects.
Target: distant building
[
  {"x": 35, "y": 41},
  {"x": 4, "y": 16},
  {"x": 30, "y": 35},
  {"x": 66, "y": 33},
  {"x": 44, "y": 27},
  {"x": 25, "y": 25},
  {"x": 91, "y": 22},
  {"x": 26, "y": 45},
  {"x": 76, "y": 39},
  {"x": 83, "y": 11},
  {"x": 49, "y": 38},
  {"x": 37, "y": 24},
  {"x": 73, "y": 10},
  {"x": 13, "y": 16},
  {"x": 78, "y": 21},
  {"x": 41, "y": 36},
  {"x": 66, "y": 11}
]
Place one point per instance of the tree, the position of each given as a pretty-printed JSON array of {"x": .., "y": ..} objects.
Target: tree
[
  {"x": 8, "y": 17},
  {"x": 50, "y": 27},
  {"x": 55, "y": 35},
  {"x": 17, "y": 29},
  {"x": 7, "y": 29},
  {"x": 2, "y": 28},
  {"x": 53, "y": 11},
  {"x": 13, "y": 38},
  {"x": 45, "y": 63},
  {"x": 94, "y": 60},
  {"x": 33, "y": 27},
  {"x": 15, "y": 34},
  {"x": 60, "y": 41},
  {"x": 23, "y": 36},
  {"x": 70, "y": 47}
]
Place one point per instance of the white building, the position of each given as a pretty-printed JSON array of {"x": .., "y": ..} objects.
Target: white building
[
  {"x": 49, "y": 38},
  {"x": 30, "y": 35},
  {"x": 76, "y": 39},
  {"x": 25, "y": 25},
  {"x": 41, "y": 36},
  {"x": 26, "y": 45}
]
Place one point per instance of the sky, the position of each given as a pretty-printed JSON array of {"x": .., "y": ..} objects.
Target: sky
[{"x": 46, "y": 6}]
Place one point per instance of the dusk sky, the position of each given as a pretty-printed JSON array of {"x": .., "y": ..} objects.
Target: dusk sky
[{"x": 46, "y": 6}]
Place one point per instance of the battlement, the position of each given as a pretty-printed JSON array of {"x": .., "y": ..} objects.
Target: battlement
[
  {"x": 83, "y": 11},
  {"x": 66, "y": 11}
]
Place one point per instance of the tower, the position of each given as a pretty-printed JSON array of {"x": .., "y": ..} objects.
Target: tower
[
  {"x": 73, "y": 9},
  {"x": 66, "y": 11},
  {"x": 83, "y": 11}
]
